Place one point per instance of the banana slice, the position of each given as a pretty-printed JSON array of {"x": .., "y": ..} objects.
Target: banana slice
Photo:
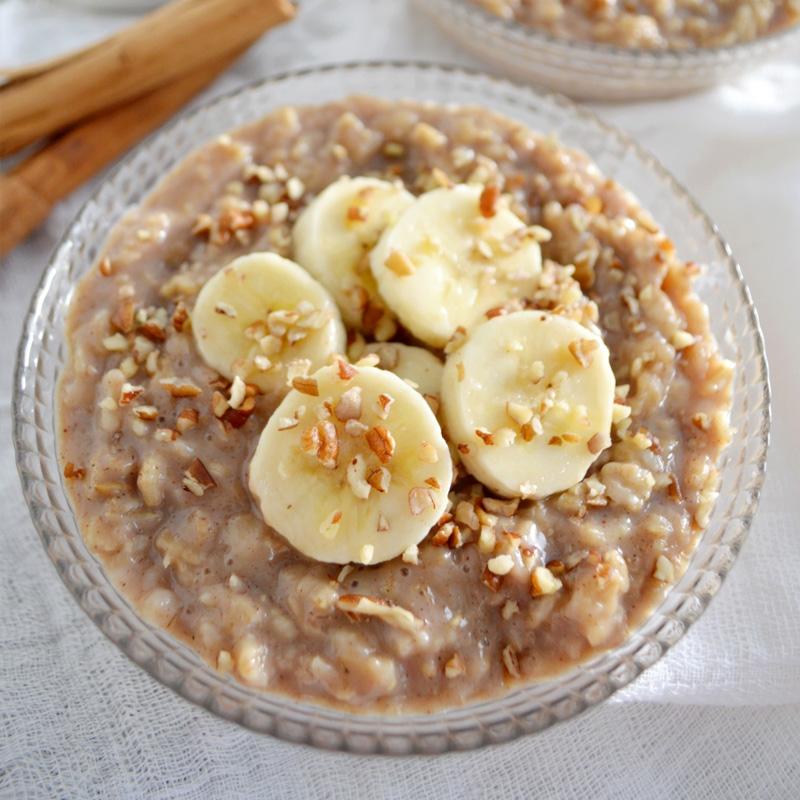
[
  {"x": 528, "y": 400},
  {"x": 334, "y": 233},
  {"x": 415, "y": 364},
  {"x": 262, "y": 313},
  {"x": 352, "y": 466},
  {"x": 452, "y": 256}
]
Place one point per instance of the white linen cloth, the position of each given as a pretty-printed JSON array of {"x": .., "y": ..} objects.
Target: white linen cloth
[{"x": 718, "y": 717}]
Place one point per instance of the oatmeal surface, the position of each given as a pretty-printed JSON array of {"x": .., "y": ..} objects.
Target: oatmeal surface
[
  {"x": 156, "y": 445},
  {"x": 652, "y": 24}
]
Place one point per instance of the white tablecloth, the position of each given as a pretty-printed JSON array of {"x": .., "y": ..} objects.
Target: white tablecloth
[{"x": 718, "y": 717}]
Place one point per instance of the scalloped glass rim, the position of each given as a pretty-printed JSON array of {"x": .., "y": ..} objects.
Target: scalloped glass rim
[
  {"x": 528, "y": 709},
  {"x": 593, "y": 70}
]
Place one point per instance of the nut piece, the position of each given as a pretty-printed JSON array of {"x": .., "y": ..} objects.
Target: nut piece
[
  {"x": 501, "y": 508},
  {"x": 420, "y": 498},
  {"x": 322, "y": 440},
  {"x": 500, "y": 565},
  {"x": 488, "y": 200},
  {"x": 582, "y": 350},
  {"x": 455, "y": 668},
  {"x": 543, "y": 582},
  {"x": 178, "y": 387},
  {"x": 665, "y": 570},
  {"x": 188, "y": 418},
  {"x": 397, "y": 616},
  {"x": 399, "y": 263},
  {"x": 197, "y": 479},
  {"x": 349, "y": 405},
  {"x": 70, "y": 471},
  {"x": 306, "y": 385},
  {"x": 381, "y": 442}
]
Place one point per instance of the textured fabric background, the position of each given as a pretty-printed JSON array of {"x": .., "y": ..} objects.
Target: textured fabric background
[{"x": 718, "y": 717}]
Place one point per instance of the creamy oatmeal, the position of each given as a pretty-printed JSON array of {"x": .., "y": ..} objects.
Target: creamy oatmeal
[
  {"x": 652, "y": 24},
  {"x": 457, "y": 587}
]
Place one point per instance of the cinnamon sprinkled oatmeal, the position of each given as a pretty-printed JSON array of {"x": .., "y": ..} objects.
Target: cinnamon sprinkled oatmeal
[
  {"x": 156, "y": 444},
  {"x": 651, "y": 24}
]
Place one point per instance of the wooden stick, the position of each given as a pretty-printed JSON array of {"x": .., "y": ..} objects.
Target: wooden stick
[
  {"x": 30, "y": 190},
  {"x": 173, "y": 40}
]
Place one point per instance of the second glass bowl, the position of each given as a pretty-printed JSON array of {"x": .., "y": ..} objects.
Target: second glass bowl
[{"x": 589, "y": 71}]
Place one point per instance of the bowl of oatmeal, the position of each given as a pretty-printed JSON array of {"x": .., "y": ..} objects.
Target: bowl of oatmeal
[
  {"x": 369, "y": 524},
  {"x": 605, "y": 51}
]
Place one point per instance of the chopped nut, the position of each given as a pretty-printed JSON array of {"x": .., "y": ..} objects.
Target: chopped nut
[
  {"x": 488, "y": 200},
  {"x": 544, "y": 582},
  {"x": 519, "y": 413},
  {"x": 460, "y": 370},
  {"x": 490, "y": 579},
  {"x": 500, "y": 565},
  {"x": 383, "y": 405},
  {"x": 306, "y": 385},
  {"x": 456, "y": 340},
  {"x": 582, "y": 350},
  {"x": 399, "y": 263},
  {"x": 379, "y": 479},
  {"x": 510, "y": 607},
  {"x": 411, "y": 554},
  {"x": 555, "y": 441},
  {"x": 329, "y": 527},
  {"x": 682, "y": 339},
  {"x": 428, "y": 453},
  {"x": 238, "y": 390},
  {"x": 105, "y": 267},
  {"x": 383, "y": 523},
  {"x": 70, "y": 471},
  {"x": 571, "y": 438},
  {"x": 188, "y": 418},
  {"x": 129, "y": 393},
  {"x": 322, "y": 441},
  {"x": 197, "y": 479},
  {"x": 153, "y": 331},
  {"x": 502, "y": 508},
  {"x": 399, "y": 617},
  {"x": 180, "y": 317},
  {"x": 349, "y": 405},
  {"x": 346, "y": 371},
  {"x": 381, "y": 442},
  {"x": 665, "y": 570},
  {"x": 355, "y": 428},
  {"x": 123, "y": 318},
  {"x": 598, "y": 443},
  {"x": 356, "y": 471},
  {"x": 486, "y": 436},
  {"x": 366, "y": 554},
  {"x": 115, "y": 343},
  {"x": 178, "y": 387},
  {"x": 420, "y": 498},
  {"x": 145, "y": 412},
  {"x": 165, "y": 435},
  {"x": 455, "y": 668}
]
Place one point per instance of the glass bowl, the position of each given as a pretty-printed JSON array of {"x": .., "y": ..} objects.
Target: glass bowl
[
  {"x": 43, "y": 351},
  {"x": 591, "y": 71}
]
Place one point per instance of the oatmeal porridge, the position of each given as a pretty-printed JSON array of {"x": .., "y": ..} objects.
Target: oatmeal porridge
[
  {"x": 652, "y": 24},
  {"x": 391, "y": 407}
]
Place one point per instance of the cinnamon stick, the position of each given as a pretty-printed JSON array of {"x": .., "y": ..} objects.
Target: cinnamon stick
[
  {"x": 30, "y": 190},
  {"x": 174, "y": 40}
]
